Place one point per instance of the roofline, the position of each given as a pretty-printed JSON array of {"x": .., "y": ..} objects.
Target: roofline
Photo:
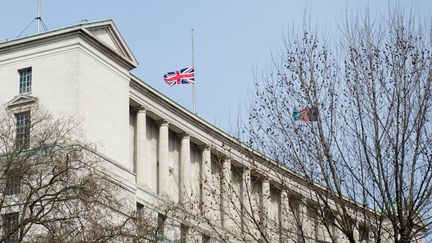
[
  {"x": 80, "y": 29},
  {"x": 74, "y": 26}
]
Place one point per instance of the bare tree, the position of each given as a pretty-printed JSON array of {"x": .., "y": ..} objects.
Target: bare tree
[
  {"x": 363, "y": 139},
  {"x": 53, "y": 188}
]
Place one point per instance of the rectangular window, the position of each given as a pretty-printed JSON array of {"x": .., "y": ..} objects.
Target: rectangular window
[
  {"x": 22, "y": 130},
  {"x": 312, "y": 215},
  {"x": 296, "y": 224},
  {"x": 160, "y": 231},
  {"x": 206, "y": 239},
  {"x": 183, "y": 233},
  {"x": 139, "y": 207},
  {"x": 13, "y": 183},
  {"x": 25, "y": 80},
  {"x": 363, "y": 233},
  {"x": 161, "y": 224},
  {"x": 10, "y": 224}
]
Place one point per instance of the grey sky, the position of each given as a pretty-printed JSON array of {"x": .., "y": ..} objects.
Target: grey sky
[{"x": 232, "y": 38}]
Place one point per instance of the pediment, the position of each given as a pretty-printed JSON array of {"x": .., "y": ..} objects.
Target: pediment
[
  {"x": 107, "y": 33},
  {"x": 21, "y": 100}
]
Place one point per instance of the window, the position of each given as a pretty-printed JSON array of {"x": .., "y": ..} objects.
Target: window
[
  {"x": 206, "y": 239},
  {"x": 10, "y": 224},
  {"x": 139, "y": 207},
  {"x": 25, "y": 80},
  {"x": 296, "y": 223},
  {"x": 161, "y": 224},
  {"x": 329, "y": 221},
  {"x": 183, "y": 233},
  {"x": 313, "y": 217},
  {"x": 363, "y": 233},
  {"x": 22, "y": 130},
  {"x": 12, "y": 184}
]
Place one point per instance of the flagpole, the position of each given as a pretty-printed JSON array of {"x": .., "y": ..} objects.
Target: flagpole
[{"x": 193, "y": 85}]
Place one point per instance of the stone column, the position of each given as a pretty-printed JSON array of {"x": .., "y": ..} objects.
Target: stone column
[
  {"x": 248, "y": 227},
  {"x": 172, "y": 230},
  {"x": 285, "y": 220},
  {"x": 206, "y": 182},
  {"x": 142, "y": 174},
  {"x": 163, "y": 160},
  {"x": 356, "y": 232},
  {"x": 185, "y": 177},
  {"x": 266, "y": 204},
  {"x": 226, "y": 194}
]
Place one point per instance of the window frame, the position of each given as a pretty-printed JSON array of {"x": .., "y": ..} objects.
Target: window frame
[
  {"x": 23, "y": 124},
  {"x": 363, "y": 233},
  {"x": 25, "y": 80},
  {"x": 12, "y": 184},
  {"x": 10, "y": 224}
]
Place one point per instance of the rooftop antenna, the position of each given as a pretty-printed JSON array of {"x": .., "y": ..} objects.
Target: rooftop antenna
[{"x": 38, "y": 19}]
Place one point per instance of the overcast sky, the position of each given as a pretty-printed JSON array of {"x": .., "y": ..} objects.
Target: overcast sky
[{"x": 233, "y": 38}]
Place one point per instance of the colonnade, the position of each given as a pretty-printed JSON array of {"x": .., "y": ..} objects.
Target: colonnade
[{"x": 207, "y": 204}]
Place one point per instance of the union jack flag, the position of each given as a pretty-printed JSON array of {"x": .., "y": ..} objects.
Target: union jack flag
[
  {"x": 306, "y": 114},
  {"x": 184, "y": 76}
]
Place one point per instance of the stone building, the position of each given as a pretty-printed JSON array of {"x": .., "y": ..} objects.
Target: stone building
[{"x": 157, "y": 150}]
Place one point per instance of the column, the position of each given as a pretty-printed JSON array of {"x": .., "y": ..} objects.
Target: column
[
  {"x": 266, "y": 204},
  {"x": 248, "y": 226},
  {"x": 356, "y": 232},
  {"x": 286, "y": 221},
  {"x": 206, "y": 183},
  {"x": 172, "y": 230},
  {"x": 142, "y": 174},
  {"x": 185, "y": 160},
  {"x": 226, "y": 194},
  {"x": 163, "y": 160}
]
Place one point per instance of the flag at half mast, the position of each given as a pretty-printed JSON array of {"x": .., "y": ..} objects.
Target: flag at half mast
[{"x": 184, "y": 76}]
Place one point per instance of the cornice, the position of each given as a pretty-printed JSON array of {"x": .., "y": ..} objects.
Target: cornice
[
  {"x": 80, "y": 33},
  {"x": 21, "y": 45}
]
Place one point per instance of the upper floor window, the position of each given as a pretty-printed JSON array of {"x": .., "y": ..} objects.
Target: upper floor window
[
  {"x": 12, "y": 183},
  {"x": 22, "y": 130},
  {"x": 10, "y": 224},
  {"x": 25, "y": 80}
]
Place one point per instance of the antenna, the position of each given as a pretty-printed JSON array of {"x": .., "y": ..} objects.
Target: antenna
[{"x": 38, "y": 17}]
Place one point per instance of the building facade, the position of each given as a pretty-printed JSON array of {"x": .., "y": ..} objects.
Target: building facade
[{"x": 159, "y": 152}]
